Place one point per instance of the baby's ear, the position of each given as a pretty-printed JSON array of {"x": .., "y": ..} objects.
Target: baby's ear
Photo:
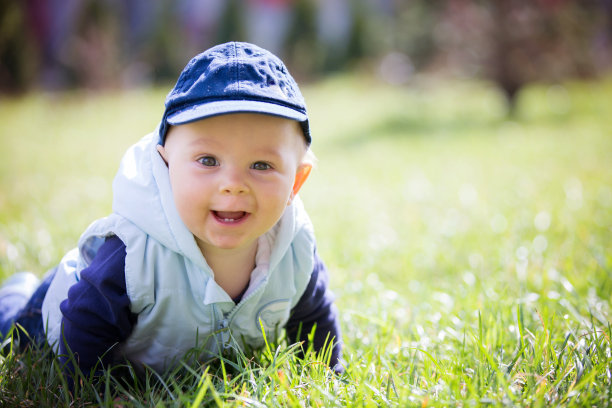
[
  {"x": 162, "y": 152},
  {"x": 300, "y": 178}
]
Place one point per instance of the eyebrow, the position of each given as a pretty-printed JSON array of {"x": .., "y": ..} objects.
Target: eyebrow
[
  {"x": 264, "y": 150},
  {"x": 198, "y": 141}
]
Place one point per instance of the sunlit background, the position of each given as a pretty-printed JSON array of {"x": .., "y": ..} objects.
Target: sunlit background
[
  {"x": 459, "y": 122},
  {"x": 462, "y": 199},
  {"x": 420, "y": 111}
]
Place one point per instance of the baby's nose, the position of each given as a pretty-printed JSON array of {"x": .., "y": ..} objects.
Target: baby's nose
[{"x": 233, "y": 182}]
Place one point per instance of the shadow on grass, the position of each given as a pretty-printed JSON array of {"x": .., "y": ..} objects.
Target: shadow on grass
[
  {"x": 401, "y": 127},
  {"x": 397, "y": 127}
]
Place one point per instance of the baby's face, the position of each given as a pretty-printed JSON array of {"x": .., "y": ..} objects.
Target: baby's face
[{"x": 232, "y": 175}]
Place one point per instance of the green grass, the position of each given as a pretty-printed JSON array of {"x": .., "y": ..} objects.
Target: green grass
[{"x": 470, "y": 254}]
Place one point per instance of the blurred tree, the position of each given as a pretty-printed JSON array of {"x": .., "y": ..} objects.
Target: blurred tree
[
  {"x": 98, "y": 43},
  {"x": 357, "y": 42},
  {"x": 166, "y": 55},
  {"x": 396, "y": 35},
  {"x": 94, "y": 53},
  {"x": 302, "y": 50},
  {"x": 17, "y": 55},
  {"x": 411, "y": 29},
  {"x": 402, "y": 36},
  {"x": 231, "y": 27},
  {"x": 515, "y": 42}
]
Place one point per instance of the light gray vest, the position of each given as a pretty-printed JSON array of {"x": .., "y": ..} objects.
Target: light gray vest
[{"x": 179, "y": 306}]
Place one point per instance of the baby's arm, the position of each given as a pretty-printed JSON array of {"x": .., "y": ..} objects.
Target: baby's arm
[
  {"x": 316, "y": 307},
  {"x": 96, "y": 314}
]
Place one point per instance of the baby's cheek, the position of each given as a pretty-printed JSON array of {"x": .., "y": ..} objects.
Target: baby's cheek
[{"x": 188, "y": 202}]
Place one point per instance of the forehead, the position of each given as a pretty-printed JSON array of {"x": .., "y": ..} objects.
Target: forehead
[{"x": 251, "y": 128}]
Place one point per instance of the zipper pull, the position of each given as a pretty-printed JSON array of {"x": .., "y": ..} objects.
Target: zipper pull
[{"x": 224, "y": 333}]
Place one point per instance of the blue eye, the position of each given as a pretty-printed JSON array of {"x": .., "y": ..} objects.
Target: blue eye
[
  {"x": 208, "y": 161},
  {"x": 261, "y": 166}
]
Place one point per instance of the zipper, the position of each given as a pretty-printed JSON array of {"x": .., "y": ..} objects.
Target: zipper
[
  {"x": 224, "y": 333},
  {"x": 221, "y": 328},
  {"x": 240, "y": 304},
  {"x": 226, "y": 320}
]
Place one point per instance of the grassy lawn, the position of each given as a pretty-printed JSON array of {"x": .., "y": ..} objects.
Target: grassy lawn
[{"x": 470, "y": 254}]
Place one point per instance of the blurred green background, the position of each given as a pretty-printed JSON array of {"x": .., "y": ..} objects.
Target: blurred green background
[
  {"x": 442, "y": 126},
  {"x": 464, "y": 175}
]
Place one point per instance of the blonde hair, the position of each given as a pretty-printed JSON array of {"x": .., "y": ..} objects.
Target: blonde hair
[{"x": 310, "y": 157}]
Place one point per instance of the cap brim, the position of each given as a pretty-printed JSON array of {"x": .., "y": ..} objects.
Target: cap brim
[{"x": 216, "y": 108}]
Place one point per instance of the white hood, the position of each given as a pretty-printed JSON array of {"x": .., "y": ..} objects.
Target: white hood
[{"x": 142, "y": 194}]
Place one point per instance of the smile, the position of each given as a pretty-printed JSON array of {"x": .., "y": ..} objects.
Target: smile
[{"x": 230, "y": 217}]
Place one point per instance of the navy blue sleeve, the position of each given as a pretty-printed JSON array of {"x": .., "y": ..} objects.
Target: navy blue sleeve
[
  {"x": 316, "y": 307},
  {"x": 96, "y": 314}
]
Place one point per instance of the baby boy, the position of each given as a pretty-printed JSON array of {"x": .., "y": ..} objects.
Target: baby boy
[{"x": 208, "y": 246}]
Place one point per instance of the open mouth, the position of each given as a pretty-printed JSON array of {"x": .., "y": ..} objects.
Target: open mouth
[{"x": 230, "y": 217}]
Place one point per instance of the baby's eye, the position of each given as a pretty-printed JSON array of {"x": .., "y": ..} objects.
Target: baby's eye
[
  {"x": 261, "y": 166},
  {"x": 208, "y": 161}
]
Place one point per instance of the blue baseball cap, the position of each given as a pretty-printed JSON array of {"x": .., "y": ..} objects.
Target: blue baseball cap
[{"x": 231, "y": 78}]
